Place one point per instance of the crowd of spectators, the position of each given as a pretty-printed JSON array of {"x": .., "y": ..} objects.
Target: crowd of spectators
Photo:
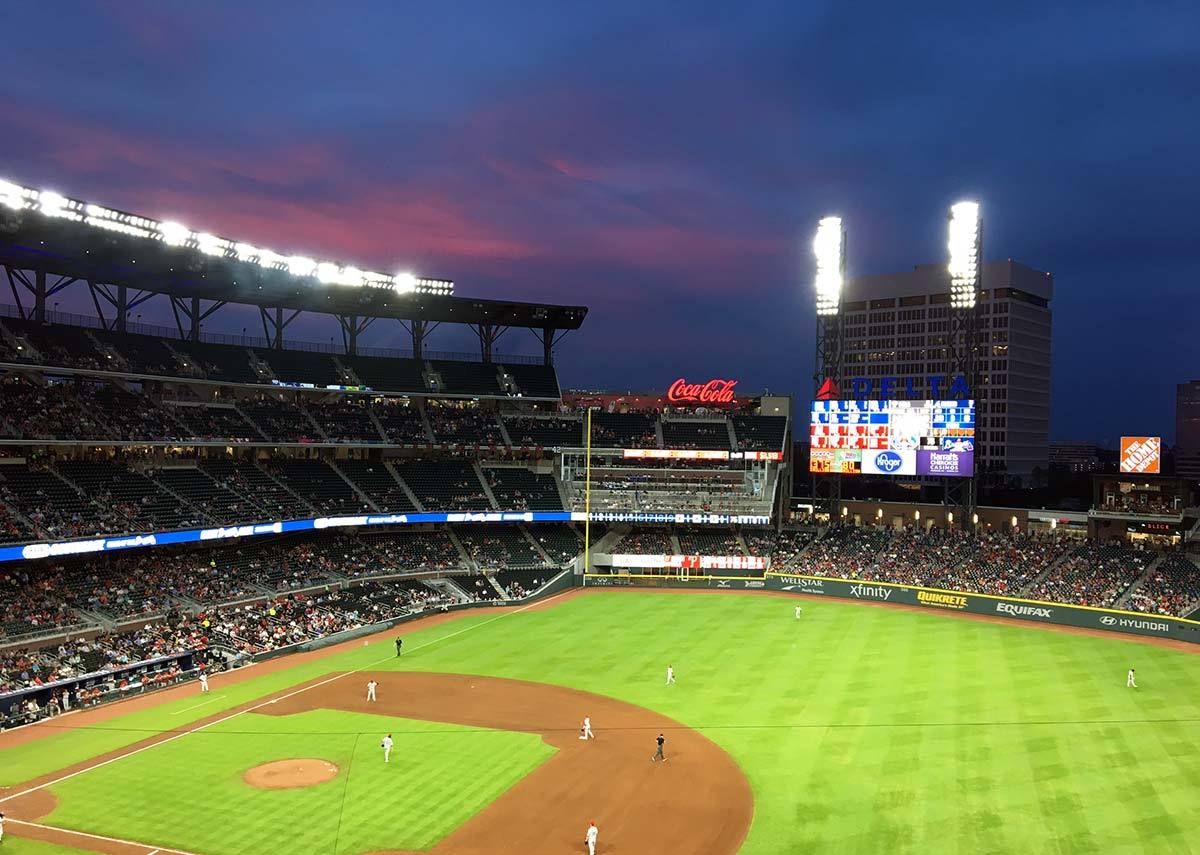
[
  {"x": 645, "y": 541},
  {"x": 463, "y": 425},
  {"x": 1093, "y": 575},
  {"x": 1172, "y": 588}
]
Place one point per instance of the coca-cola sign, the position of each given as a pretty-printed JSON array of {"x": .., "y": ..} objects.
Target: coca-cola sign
[{"x": 712, "y": 392}]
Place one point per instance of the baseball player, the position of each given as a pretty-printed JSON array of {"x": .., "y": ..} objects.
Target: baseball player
[
  {"x": 585, "y": 732},
  {"x": 399, "y": 644},
  {"x": 670, "y": 675},
  {"x": 203, "y": 683},
  {"x": 1130, "y": 682},
  {"x": 658, "y": 755},
  {"x": 590, "y": 840},
  {"x": 798, "y": 613},
  {"x": 371, "y": 684},
  {"x": 386, "y": 745},
  {"x": 1, "y": 828}
]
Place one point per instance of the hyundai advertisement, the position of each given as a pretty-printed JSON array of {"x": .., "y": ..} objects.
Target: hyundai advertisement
[{"x": 934, "y": 439}]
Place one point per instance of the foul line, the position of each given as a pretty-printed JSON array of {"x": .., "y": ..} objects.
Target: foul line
[
  {"x": 69, "y": 832},
  {"x": 268, "y": 702},
  {"x": 197, "y": 706}
]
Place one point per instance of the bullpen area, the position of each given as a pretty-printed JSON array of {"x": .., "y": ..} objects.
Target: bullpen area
[{"x": 851, "y": 728}]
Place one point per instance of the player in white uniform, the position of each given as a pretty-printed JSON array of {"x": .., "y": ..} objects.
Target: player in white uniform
[
  {"x": 1, "y": 828},
  {"x": 203, "y": 683},
  {"x": 670, "y": 675},
  {"x": 585, "y": 732},
  {"x": 386, "y": 745},
  {"x": 1130, "y": 683},
  {"x": 798, "y": 613},
  {"x": 590, "y": 840},
  {"x": 371, "y": 690}
]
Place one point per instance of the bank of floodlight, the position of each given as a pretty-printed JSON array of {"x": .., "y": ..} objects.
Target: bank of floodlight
[
  {"x": 829, "y": 247},
  {"x": 52, "y": 204},
  {"x": 965, "y": 245}
]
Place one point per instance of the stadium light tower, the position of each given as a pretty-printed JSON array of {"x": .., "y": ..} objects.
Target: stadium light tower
[
  {"x": 829, "y": 251},
  {"x": 965, "y": 248}
]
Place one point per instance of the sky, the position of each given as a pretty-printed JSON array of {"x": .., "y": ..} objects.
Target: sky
[{"x": 663, "y": 164}]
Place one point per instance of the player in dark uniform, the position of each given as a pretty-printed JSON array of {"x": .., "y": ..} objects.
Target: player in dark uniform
[
  {"x": 399, "y": 644},
  {"x": 658, "y": 755}
]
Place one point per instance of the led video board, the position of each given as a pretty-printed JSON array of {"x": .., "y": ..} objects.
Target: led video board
[{"x": 933, "y": 439}]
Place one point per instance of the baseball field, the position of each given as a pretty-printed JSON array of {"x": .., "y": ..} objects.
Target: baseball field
[{"x": 856, "y": 729}]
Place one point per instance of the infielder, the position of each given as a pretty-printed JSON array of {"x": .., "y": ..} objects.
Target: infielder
[
  {"x": 1130, "y": 683},
  {"x": 590, "y": 840},
  {"x": 585, "y": 732},
  {"x": 386, "y": 745},
  {"x": 371, "y": 684},
  {"x": 399, "y": 644},
  {"x": 1, "y": 828},
  {"x": 798, "y": 613},
  {"x": 670, "y": 675},
  {"x": 203, "y": 683},
  {"x": 658, "y": 755}
]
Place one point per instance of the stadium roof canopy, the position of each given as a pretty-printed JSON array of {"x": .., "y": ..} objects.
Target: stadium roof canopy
[{"x": 114, "y": 253}]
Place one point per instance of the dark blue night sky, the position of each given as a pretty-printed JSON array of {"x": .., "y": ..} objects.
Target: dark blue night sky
[{"x": 662, "y": 165}]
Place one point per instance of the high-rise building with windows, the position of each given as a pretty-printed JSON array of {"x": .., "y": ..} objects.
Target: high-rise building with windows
[
  {"x": 897, "y": 326},
  {"x": 1187, "y": 429}
]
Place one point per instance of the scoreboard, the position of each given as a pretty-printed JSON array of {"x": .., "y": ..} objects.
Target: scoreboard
[{"x": 927, "y": 438}]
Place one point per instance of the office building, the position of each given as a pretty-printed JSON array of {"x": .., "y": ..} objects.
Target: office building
[{"x": 897, "y": 325}]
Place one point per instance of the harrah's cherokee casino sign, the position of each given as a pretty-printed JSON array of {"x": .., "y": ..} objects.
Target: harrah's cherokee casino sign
[{"x": 712, "y": 392}]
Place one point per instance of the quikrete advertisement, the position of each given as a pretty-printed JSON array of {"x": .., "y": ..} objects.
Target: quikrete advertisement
[
  {"x": 1156, "y": 626},
  {"x": 941, "y": 600}
]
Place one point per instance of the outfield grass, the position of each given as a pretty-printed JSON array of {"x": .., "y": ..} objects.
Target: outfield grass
[{"x": 861, "y": 729}]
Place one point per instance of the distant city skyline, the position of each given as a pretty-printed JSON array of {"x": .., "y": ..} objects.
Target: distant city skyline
[{"x": 664, "y": 166}]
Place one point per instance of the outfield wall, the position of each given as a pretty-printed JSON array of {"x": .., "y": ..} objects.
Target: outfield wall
[{"x": 1013, "y": 608}]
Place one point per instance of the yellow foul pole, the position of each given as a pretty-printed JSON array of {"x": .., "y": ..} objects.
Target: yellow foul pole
[{"x": 587, "y": 499}]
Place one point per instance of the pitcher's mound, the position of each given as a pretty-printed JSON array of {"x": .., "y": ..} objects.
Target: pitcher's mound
[{"x": 286, "y": 774}]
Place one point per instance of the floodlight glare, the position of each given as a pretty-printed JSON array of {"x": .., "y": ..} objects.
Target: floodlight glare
[
  {"x": 174, "y": 234},
  {"x": 211, "y": 244},
  {"x": 964, "y": 245},
  {"x": 829, "y": 247},
  {"x": 10, "y": 195},
  {"x": 299, "y": 265},
  {"x": 52, "y": 204}
]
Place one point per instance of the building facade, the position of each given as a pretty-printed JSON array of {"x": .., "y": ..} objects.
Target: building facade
[
  {"x": 1187, "y": 430},
  {"x": 898, "y": 325}
]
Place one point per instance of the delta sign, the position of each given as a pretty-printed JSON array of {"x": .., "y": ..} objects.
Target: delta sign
[{"x": 936, "y": 387}]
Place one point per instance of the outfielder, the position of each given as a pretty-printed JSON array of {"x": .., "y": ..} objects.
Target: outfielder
[
  {"x": 203, "y": 683},
  {"x": 1130, "y": 682},
  {"x": 670, "y": 675},
  {"x": 798, "y": 613},
  {"x": 590, "y": 840},
  {"x": 585, "y": 732},
  {"x": 1, "y": 828},
  {"x": 386, "y": 745},
  {"x": 371, "y": 684}
]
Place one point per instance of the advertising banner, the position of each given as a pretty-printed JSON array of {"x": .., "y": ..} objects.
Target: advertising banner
[
  {"x": 946, "y": 464},
  {"x": 690, "y": 562},
  {"x": 1141, "y": 455},
  {"x": 1156, "y": 626},
  {"x": 889, "y": 463}
]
